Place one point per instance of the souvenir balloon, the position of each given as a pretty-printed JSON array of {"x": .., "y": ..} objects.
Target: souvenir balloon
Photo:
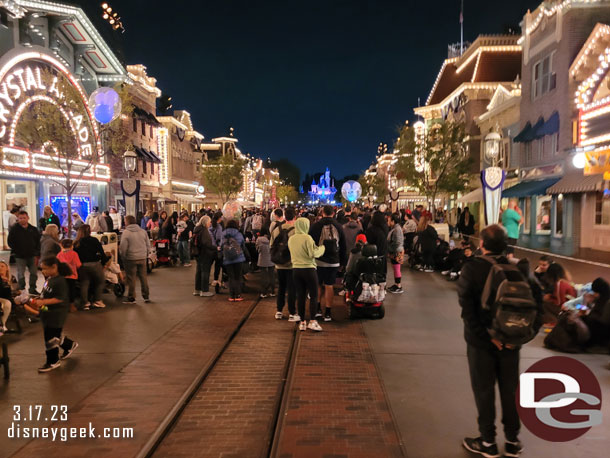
[
  {"x": 231, "y": 210},
  {"x": 351, "y": 190},
  {"x": 105, "y": 104}
]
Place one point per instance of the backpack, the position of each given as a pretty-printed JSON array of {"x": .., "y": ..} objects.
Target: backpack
[
  {"x": 257, "y": 222},
  {"x": 195, "y": 251},
  {"x": 231, "y": 249},
  {"x": 329, "y": 237},
  {"x": 94, "y": 223},
  {"x": 280, "y": 254},
  {"x": 569, "y": 335},
  {"x": 508, "y": 297}
]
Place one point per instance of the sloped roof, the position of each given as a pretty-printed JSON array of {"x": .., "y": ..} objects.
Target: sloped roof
[
  {"x": 449, "y": 80},
  {"x": 498, "y": 66}
]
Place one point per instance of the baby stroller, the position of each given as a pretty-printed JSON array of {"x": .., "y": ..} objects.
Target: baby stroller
[
  {"x": 163, "y": 252},
  {"x": 366, "y": 285}
]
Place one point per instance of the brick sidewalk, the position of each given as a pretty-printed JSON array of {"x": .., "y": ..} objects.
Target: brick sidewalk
[
  {"x": 336, "y": 405},
  {"x": 233, "y": 413},
  {"x": 143, "y": 393}
]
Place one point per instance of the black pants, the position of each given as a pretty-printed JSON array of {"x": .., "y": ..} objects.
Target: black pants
[
  {"x": 285, "y": 286},
  {"x": 512, "y": 241},
  {"x": 234, "y": 272},
  {"x": 306, "y": 281},
  {"x": 202, "y": 275},
  {"x": 53, "y": 342},
  {"x": 428, "y": 257},
  {"x": 217, "y": 267},
  {"x": 268, "y": 279},
  {"x": 487, "y": 365}
]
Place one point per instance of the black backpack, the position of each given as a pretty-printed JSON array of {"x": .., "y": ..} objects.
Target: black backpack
[
  {"x": 507, "y": 296},
  {"x": 280, "y": 254},
  {"x": 231, "y": 250}
]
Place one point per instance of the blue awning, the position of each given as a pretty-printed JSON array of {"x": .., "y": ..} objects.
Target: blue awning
[
  {"x": 550, "y": 127},
  {"x": 530, "y": 188},
  {"x": 534, "y": 133},
  {"x": 519, "y": 138}
]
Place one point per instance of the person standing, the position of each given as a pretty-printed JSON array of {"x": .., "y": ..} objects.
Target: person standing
[
  {"x": 91, "y": 273},
  {"x": 264, "y": 262},
  {"x": 24, "y": 241},
  {"x": 185, "y": 230},
  {"x": 377, "y": 233},
  {"x": 117, "y": 224},
  {"x": 426, "y": 237},
  {"x": 466, "y": 224},
  {"x": 511, "y": 220},
  {"x": 216, "y": 231},
  {"x": 396, "y": 251},
  {"x": 489, "y": 360},
  {"x": 234, "y": 255},
  {"x": 303, "y": 254},
  {"x": 12, "y": 218},
  {"x": 134, "y": 249},
  {"x": 49, "y": 242},
  {"x": 351, "y": 229},
  {"x": 279, "y": 244},
  {"x": 96, "y": 221},
  {"x": 77, "y": 221},
  {"x": 109, "y": 221},
  {"x": 277, "y": 217},
  {"x": 205, "y": 251},
  {"x": 328, "y": 232},
  {"x": 48, "y": 217}
]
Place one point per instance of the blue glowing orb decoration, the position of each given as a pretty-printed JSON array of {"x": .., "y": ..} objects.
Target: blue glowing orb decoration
[
  {"x": 351, "y": 190},
  {"x": 105, "y": 104}
]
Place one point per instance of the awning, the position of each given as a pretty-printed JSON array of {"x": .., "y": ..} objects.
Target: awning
[
  {"x": 550, "y": 127},
  {"x": 145, "y": 116},
  {"x": 576, "y": 182},
  {"x": 530, "y": 188},
  {"x": 187, "y": 197},
  {"x": 519, "y": 138},
  {"x": 152, "y": 157},
  {"x": 534, "y": 132},
  {"x": 473, "y": 196},
  {"x": 141, "y": 153}
]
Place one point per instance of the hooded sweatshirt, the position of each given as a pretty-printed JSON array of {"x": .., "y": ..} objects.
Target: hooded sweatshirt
[
  {"x": 303, "y": 249},
  {"x": 351, "y": 230},
  {"x": 135, "y": 244}
]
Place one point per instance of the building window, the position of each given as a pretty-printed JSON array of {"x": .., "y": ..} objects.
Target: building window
[
  {"x": 527, "y": 212},
  {"x": 152, "y": 168},
  {"x": 143, "y": 128},
  {"x": 559, "y": 216},
  {"x": 143, "y": 166},
  {"x": 528, "y": 152},
  {"x": 151, "y": 131},
  {"x": 543, "y": 77},
  {"x": 536, "y": 154},
  {"x": 135, "y": 124},
  {"x": 555, "y": 144},
  {"x": 543, "y": 214},
  {"x": 602, "y": 209}
]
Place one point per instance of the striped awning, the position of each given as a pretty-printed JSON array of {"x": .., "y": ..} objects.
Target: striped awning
[{"x": 576, "y": 182}]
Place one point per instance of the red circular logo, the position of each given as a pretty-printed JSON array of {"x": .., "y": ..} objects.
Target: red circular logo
[{"x": 559, "y": 399}]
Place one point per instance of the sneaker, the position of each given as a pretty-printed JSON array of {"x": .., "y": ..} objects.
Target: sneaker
[
  {"x": 272, "y": 294},
  {"x": 49, "y": 367},
  {"x": 99, "y": 305},
  {"x": 429, "y": 270},
  {"x": 263, "y": 296},
  {"x": 453, "y": 276},
  {"x": 342, "y": 292},
  {"x": 395, "y": 289},
  {"x": 475, "y": 445},
  {"x": 206, "y": 294},
  {"x": 67, "y": 353},
  {"x": 314, "y": 326},
  {"x": 231, "y": 299},
  {"x": 188, "y": 264},
  {"x": 87, "y": 306},
  {"x": 319, "y": 312},
  {"x": 293, "y": 318},
  {"x": 147, "y": 300},
  {"x": 513, "y": 449},
  {"x": 302, "y": 326},
  {"x": 327, "y": 316},
  {"x": 197, "y": 293},
  {"x": 444, "y": 273},
  {"x": 238, "y": 299},
  {"x": 279, "y": 315},
  {"x": 129, "y": 300}
]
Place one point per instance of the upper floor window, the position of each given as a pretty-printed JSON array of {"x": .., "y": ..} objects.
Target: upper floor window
[
  {"x": 544, "y": 78},
  {"x": 151, "y": 131},
  {"x": 135, "y": 124},
  {"x": 143, "y": 128},
  {"x": 144, "y": 167},
  {"x": 602, "y": 209}
]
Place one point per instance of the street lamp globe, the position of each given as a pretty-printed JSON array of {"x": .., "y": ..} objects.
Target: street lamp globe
[
  {"x": 492, "y": 145},
  {"x": 579, "y": 160},
  {"x": 130, "y": 161}
]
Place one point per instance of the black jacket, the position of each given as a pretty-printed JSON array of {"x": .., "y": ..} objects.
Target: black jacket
[
  {"x": 53, "y": 219},
  {"x": 316, "y": 230},
  {"x": 427, "y": 238},
  {"x": 470, "y": 287},
  {"x": 90, "y": 249},
  {"x": 464, "y": 228},
  {"x": 207, "y": 249},
  {"x": 24, "y": 242},
  {"x": 378, "y": 236}
]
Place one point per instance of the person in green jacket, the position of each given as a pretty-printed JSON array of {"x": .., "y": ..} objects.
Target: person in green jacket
[{"x": 303, "y": 254}]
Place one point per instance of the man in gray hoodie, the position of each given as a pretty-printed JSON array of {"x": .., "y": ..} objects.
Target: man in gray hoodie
[{"x": 134, "y": 249}]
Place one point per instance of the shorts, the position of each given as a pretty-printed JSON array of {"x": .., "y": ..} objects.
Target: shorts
[
  {"x": 327, "y": 275},
  {"x": 72, "y": 290}
]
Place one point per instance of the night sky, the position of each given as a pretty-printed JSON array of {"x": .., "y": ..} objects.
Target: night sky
[{"x": 319, "y": 82}]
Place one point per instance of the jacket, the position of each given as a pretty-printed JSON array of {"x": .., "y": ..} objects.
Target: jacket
[
  {"x": 116, "y": 221},
  {"x": 207, "y": 248},
  {"x": 90, "y": 249},
  {"x": 135, "y": 244},
  {"x": 396, "y": 240},
  {"x": 427, "y": 238},
  {"x": 97, "y": 222},
  {"x": 470, "y": 288},
  {"x": 351, "y": 229},
  {"x": 49, "y": 247},
  {"x": 216, "y": 233},
  {"x": 24, "y": 242},
  {"x": 264, "y": 252},
  {"x": 467, "y": 229},
  {"x": 276, "y": 233},
  {"x": 56, "y": 314},
  {"x": 239, "y": 238},
  {"x": 303, "y": 249},
  {"x": 378, "y": 236},
  {"x": 316, "y": 231},
  {"x": 53, "y": 219}
]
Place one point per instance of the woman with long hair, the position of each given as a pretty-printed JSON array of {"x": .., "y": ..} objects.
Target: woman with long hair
[
  {"x": 205, "y": 253},
  {"x": 234, "y": 255},
  {"x": 216, "y": 230},
  {"x": 377, "y": 233},
  {"x": 562, "y": 290},
  {"x": 91, "y": 273},
  {"x": 426, "y": 237},
  {"x": 466, "y": 224}
]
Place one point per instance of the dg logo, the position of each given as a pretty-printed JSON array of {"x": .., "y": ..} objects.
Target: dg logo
[{"x": 559, "y": 399}]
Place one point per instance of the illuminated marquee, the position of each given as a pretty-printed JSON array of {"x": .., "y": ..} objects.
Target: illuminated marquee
[{"x": 34, "y": 77}]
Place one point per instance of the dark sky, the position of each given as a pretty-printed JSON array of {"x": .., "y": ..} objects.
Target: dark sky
[{"x": 320, "y": 82}]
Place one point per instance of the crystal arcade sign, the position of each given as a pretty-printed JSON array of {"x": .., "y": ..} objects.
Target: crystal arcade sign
[{"x": 21, "y": 84}]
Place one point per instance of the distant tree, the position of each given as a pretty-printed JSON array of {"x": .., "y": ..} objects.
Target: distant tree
[
  {"x": 376, "y": 184},
  {"x": 289, "y": 171},
  {"x": 287, "y": 193},
  {"x": 435, "y": 162},
  {"x": 223, "y": 175}
]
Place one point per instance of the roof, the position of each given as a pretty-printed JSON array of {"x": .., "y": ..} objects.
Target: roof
[{"x": 576, "y": 182}]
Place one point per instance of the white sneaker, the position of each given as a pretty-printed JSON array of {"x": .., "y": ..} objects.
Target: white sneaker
[
  {"x": 99, "y": 305},
  {"x": 196, "y": 293},
  {"x": 279, "y": 315},
  {"x": 294, "y": 317},
  {"x": 314, "y": 326},
  {"x": 206, "y": 294},
  {"x": 342, "y": 292},
  {"x": 445, "y": 272},
  {"x": 302, "y": 326}
]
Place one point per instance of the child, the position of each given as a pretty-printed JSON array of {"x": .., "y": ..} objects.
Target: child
[
  {"x": 53, "y": 306},
  {"x": 264, "y": 262},
  {"x": 112, "y": 271},
  {"x": 70, "y": 257}
]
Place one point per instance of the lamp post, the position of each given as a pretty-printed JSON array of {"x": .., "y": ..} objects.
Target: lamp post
[
  {"x": 492, "y": 178},
  {"x": 130, "y": 161}
]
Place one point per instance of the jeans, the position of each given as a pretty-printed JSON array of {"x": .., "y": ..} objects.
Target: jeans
[
  {"x": 286, "y": 285},
  {"x": 91, "y": 274},
  {"x": 217, "y": 266},
  {"x": 53, "y": 341},
  {"x": 234, "y": 272},
  {"x": 202, "y": 276},
  {"x": 184, "y": 251},
  {"x": 133, "y": 268},
  {"x": 268, "y": 280},
  {"x": 487, "y": 365},
  {"x": 306, "y": 281},
  {"x": 30, "y": 263}
]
